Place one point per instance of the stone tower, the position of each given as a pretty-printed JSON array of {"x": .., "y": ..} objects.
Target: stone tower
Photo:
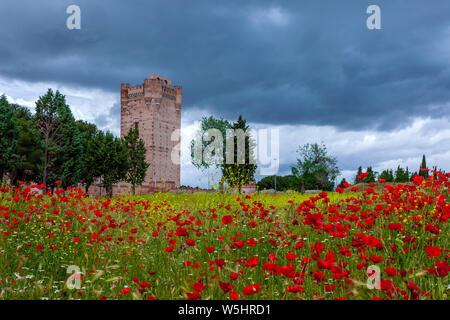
[{"x": 155, "y": 106}]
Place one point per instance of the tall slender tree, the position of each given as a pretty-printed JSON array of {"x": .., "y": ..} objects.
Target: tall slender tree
[
  {"x": 87, "y": 131},
  {"x": 136, "y": 151},
  {"x": 29, "y": 147},
  {"x": 243, "y": 168},
  {"x": 93, "y": 159},
  {"x": 358, "y": 173},
  {"x": 423, "y": 166},
  {"x": 115, "y": 163}
]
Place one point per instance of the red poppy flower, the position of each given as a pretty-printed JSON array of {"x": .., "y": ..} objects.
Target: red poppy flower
[
  {"x": 391, "y": 272},
  {"x": 433, "y": 251},
  {"x": 193, "y": 295},
  {"x": 225, "y": 286},
  {"x": 295, "y": 289},
  {"x": 227, "y": 219},
  {"x": 251, "y": 289},
  {"x": 198, "y": 286},
  {"x": 395, "y": 226},
  {"x": 291, "y": 256},
  {"x": 376, "y": 259}
]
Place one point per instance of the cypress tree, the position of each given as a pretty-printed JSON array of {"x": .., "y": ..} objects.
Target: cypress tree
[
  {"x": 358, "y": 173},
  {"x": 423, "y": 165},
  {"x": 136, "y": 151}
]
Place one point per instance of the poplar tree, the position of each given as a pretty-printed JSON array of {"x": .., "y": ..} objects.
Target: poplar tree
[
  {"x": 136, "y": 151},
  {"x": 115, "y": 164}
]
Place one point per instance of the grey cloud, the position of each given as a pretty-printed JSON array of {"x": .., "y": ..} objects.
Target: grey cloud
[{"x": 321, "y": 67}]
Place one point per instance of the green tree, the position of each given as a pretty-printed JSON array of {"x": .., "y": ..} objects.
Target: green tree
[
  {"x": 136, "y": 151},
  {"x": 115, "y": 163},
  {"x": 243, "y": 168},
  {"x": 423, "y": 165},
  {"x": 9, "y": 134},
  {"x": 371, "y": 175},
  {"x": 315, "y": 168},
  {"x": 358, "y": 173},
  {"x": 29, "y": 147},
  {"x": 387, "y": 175},
  {"x": 92, "y": 141},
  {"x": 401, "y": 175},
  {"x": 62, "y": 140}
]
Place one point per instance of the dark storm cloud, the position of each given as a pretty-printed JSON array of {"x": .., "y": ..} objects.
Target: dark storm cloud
[{"x": 307, "y": 62}]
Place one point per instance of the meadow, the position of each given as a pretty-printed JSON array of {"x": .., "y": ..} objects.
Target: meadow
[{"x": 362, "y": 244}]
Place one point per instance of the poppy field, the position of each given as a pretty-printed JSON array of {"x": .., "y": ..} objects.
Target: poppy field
[{"x": 225, "y": 246}]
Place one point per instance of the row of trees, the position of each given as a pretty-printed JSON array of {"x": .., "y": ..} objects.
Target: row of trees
[
  {"x": 389, "y": 175},
  {"x": 50, "y": 146}
]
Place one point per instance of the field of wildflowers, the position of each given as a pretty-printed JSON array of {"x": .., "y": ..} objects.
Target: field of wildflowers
[{"x": 223, "y": 246}]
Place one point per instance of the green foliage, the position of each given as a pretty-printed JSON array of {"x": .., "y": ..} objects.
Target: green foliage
[
  {"x": 136, "y": 151},
  {"x": 371, "y": 175},
  {"x": 9, "y": 135},
  {"x": 91, "y": 148},
  {"x": 315, "y": 168},
  {"x": 62, "y": 140},
  {"x": 237, "y": 173},
  {"x": 115, "y": 163},
  {"x": 387, "y": 175},
  {"x": 423, "y": 165},
  {"x": 29, "y": 147},
  {"x": 401, "y": 175},
  {"x": 234, "y": 174}
]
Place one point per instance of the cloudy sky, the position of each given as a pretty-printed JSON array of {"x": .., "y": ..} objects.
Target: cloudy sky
[{"x": 311, "y": 69}]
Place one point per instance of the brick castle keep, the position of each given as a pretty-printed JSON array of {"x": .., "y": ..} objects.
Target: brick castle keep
[{"x": 155, "y": 106}]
